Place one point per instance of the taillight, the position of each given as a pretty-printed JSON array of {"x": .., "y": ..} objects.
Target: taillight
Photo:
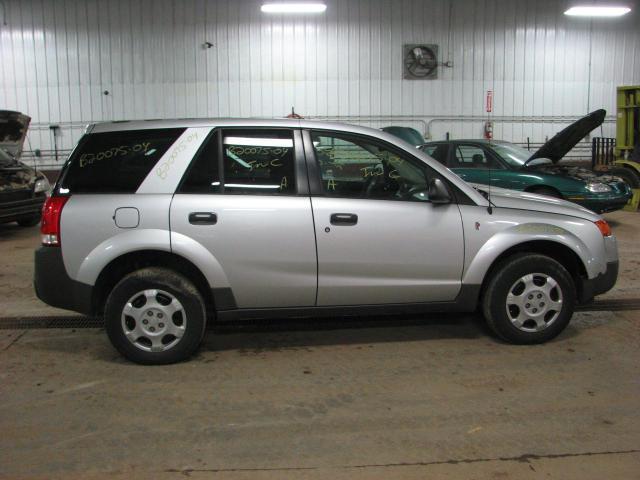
[
  {"x": 50, "y": 226},
  {"x": 604, "y": 228}
]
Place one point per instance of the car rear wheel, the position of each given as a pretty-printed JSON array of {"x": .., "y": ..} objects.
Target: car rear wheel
[
  {"x": 155, "y": 316},
  {"x": 530, "y": 298}
]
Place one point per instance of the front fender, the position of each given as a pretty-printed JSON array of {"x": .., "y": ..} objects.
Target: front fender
[{"x": 515, "y": 235}]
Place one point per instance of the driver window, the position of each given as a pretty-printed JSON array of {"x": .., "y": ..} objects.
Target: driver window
[{"x": 354, "y": 168}]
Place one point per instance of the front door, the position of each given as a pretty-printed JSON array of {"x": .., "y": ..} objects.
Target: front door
[
  {"x": 476, "y": 164},
  {"x": 380, "y": 240},
  {"x": 241, "y": 201}
]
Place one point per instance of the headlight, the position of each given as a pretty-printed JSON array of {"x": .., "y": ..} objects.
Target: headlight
[
  {"x": 42, "y": 185},
  {"x": 597, "y": 187}
]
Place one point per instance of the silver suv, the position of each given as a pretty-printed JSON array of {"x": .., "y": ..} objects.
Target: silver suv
[{"x": 162, "y": 226}]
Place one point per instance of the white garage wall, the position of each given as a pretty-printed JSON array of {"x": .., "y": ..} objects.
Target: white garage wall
[{"x": 59, "y": 56}]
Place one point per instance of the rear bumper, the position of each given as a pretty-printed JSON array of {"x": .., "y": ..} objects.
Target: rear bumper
[
  {"x": 54, "y": 286},
  {"x": 599, "y": 285}
]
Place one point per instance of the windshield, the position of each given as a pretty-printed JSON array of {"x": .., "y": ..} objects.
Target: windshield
[
  {"x": 517, "y": 156},
  {"x": 512, "y": 154}
]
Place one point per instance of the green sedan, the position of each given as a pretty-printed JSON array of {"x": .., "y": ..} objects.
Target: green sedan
[{"x": 505, "y": 165}]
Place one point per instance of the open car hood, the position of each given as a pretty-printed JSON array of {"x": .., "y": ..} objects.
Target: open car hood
[
  {"x": 13, "y": 131},
  {"x": 563, "y": 141}
]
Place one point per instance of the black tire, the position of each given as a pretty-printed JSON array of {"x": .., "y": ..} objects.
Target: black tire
[
  {"x": 505, "y": 276},
  {"x": 173, "y": 284},
  {"x": 629, "y": 176},
  {"x": 548, "y": 191},
  {"x": 30, "y": 221}
]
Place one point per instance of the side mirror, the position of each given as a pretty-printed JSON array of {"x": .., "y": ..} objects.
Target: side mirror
[{"x": 438, "y": 192}]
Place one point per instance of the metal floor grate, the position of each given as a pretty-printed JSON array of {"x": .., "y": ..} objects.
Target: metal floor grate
[
  {"x": 61, "y": 321},
  {"x": 77, "y": 321}
]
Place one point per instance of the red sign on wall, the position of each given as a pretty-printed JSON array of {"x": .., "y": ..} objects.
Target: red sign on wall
[{"x": 489, "y": 105}]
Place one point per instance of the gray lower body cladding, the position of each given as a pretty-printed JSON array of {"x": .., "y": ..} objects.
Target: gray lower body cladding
[
  {"x": 54, "y": 287},
  {"x": 599, "y": 285}
]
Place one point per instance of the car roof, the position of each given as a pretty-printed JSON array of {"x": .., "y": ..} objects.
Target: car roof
[
  {"x": 469, "y": 140},
  {"x": 117, "y": 126}
]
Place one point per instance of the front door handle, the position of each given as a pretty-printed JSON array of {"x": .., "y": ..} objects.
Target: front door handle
[
  {"x": 344, "y": 219},
  {"x": 203, "y": 218}
]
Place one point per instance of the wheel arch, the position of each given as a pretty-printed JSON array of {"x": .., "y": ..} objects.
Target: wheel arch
[
  {"x": 542, "y": 186},
  {"x": 560, "y": 252},
  {"x": 129, "y": 262}
]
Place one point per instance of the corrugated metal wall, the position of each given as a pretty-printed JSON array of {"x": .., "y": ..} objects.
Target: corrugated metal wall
[{"x": 59, "y": 57}]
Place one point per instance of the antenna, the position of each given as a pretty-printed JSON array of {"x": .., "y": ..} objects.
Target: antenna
[{"x": 488, "y": 133}]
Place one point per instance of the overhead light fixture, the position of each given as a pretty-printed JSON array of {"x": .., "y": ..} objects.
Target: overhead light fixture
[
  {"x": 299, "y": 7},
  {"x": 597, "y": 11}
]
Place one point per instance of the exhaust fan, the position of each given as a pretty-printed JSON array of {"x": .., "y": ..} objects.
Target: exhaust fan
[{"x": 420, "y": 62}]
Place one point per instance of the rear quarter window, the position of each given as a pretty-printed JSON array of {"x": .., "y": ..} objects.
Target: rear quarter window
[
  {"x": 439, "y": 152},
  {"x": 115, "y": 162}
]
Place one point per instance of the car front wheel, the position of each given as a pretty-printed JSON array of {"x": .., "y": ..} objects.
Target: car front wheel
[
  {"x": 155, "y": 316},
  {"x": 530, "y": 298},
  {"x": 629, "y": 176}
]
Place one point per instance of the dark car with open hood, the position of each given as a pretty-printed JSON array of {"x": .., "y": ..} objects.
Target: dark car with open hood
[
  {"x": 23, "y": 189},
  {"x": 507, "y": 165}
]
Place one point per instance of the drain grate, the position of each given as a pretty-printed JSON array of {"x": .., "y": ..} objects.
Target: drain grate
[
  {"x": 77, "y": 321},
  {"x": 61, "y": 321},
  {"x": 613, "y": 305}
]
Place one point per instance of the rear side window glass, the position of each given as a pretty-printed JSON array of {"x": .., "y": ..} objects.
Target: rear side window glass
[
  {"x": 259, "y": 162},
  {"x": 254, "y": 162},
  {"x": 203, "y": 175},
  {"x": 115, "y": 162},
  {"x": 438, "y": 152}
]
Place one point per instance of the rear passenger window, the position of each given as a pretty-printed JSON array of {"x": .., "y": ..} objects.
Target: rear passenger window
[
  {"x": 116, "y": 162},
  {"x": 257, "y": 162}
]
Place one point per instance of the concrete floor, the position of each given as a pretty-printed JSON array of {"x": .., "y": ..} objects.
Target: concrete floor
[{"x": 434, "y": 397}]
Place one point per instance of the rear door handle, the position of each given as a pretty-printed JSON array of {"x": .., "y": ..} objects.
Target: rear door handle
[
  {"x": 203, "y": 218},
  {"x": 344, "y": 219}
]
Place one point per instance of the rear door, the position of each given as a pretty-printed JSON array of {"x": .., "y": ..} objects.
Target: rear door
[
  {"x": 380, "y": 240},
  {"x": 245, "y": 199}
]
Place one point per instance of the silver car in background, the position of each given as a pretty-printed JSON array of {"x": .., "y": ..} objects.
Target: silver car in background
[{"x": 163, "y": 226}]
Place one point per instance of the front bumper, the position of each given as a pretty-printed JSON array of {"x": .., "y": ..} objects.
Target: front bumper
[
  {"x": 601, "y": 284},
  {"x": 54, "y": 286},
  {"x": 604, "y": 202}
]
